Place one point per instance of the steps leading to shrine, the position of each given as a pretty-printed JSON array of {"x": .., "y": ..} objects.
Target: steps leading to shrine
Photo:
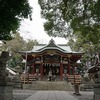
[
  {"x": 29, "y": 82},
  {"x": 49, "y": 85},
  {"x": 29, "y": 78}
]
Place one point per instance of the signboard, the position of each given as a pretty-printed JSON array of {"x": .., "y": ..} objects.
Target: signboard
[{"x": 74, "y": 79}]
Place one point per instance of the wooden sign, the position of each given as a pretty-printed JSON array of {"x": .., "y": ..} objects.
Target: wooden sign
[{"x": 74, "y": 79}]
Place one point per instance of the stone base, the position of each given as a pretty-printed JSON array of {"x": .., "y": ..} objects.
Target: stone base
[
  {"x": 6, "y": 92},
  {"x": 78, "y": 94},
  {"x": 97, "y": 92}
]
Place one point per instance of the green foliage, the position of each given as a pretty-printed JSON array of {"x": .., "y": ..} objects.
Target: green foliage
[
  {"x": 72, "y": 16},
  {"x": 12, "y": 12},
  {"x": 15, "y": 61},
  {"x": 86, "y": 79},
  {"x": 29, "y": 44},
  {"x": 91, "y": 51},
  {"x": 14, "y": 46}
]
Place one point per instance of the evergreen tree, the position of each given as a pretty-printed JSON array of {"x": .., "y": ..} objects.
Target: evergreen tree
[{"x": 11, "y": 13}]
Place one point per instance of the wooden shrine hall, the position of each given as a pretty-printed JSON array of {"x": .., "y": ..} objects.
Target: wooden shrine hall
[{"x": 45, "y": 58}]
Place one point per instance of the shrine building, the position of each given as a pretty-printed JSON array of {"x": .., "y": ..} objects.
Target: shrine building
[{"x": 43, "y": 58}]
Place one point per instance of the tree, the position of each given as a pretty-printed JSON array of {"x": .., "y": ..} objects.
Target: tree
[
  {"x": 64, "y": 17},
  {"x": 91, "y": 51},
  {"x": 12, "y": 12},
  {"x": 30, "y": 44},
  {"x": 14, "y": 46}
]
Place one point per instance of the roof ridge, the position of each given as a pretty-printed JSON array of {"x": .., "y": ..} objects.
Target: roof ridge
[{"x": 51, "y": 44}]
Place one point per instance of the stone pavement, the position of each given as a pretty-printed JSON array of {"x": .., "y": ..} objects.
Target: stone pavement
[{"x": 51, "y": 95}]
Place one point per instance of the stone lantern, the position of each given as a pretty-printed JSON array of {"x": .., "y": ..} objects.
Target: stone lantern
[
  {"x": 6, "y": 88},
  {"x": 95, "y": 71}
]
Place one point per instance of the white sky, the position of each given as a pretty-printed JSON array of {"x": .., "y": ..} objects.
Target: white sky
[{"x": 34, "y": 29}]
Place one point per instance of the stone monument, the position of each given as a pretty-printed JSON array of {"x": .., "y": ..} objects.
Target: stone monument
[{"x": 6, "y": 87}]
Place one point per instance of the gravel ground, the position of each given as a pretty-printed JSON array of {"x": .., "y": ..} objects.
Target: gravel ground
[
  {"x": 23, "y": 94},
  {"x": 20, "y": 97},
  {"x": 85, "y": 95}
]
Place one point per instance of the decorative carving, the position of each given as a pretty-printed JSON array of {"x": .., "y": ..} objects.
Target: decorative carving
[
  {"x": 53, "y": 58},
  {"x": 51, "y": 52}
]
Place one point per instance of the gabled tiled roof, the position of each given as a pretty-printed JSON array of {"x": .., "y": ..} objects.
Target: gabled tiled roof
[{"x": 51, "y": 45}]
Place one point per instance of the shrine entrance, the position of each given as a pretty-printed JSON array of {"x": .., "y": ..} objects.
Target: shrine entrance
[{"x": 53, "y": 67}]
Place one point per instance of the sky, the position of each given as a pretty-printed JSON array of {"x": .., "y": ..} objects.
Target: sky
[{"x": 34, "y": 29}]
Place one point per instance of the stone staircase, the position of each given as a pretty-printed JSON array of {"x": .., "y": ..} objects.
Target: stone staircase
[{"x": 49, "y": 85}]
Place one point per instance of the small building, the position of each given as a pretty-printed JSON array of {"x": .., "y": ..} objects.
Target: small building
[{"x": 43, "y": 58}]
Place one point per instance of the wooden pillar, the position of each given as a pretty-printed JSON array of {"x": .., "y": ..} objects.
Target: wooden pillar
[
  {"x": 61, "y": 71},
  {"x": 33, "y": 68},
  {"x": 69, "y": 67},
  {"x": 69, "y": 56},
  {"x": 73, "y": 70},
  {"x": 41, "y": 67},
  {"x": 41, "y": 70},
  {"x": 33, "y": 65}
]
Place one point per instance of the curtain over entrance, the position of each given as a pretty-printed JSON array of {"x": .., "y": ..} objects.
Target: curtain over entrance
[{"x": 53, "y": 67}]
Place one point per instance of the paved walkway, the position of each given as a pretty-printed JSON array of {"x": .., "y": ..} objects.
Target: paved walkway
[{"x": 51, "y": 95}]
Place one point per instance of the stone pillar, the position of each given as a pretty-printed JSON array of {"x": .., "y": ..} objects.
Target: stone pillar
[
  {"x": 97, "y": 87},
  {"x": 6, "y": 88},
  {"x": 6, "y": 92},
  {"x": 76, "y": 88},
  {"x": 96, "y": 92}
]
